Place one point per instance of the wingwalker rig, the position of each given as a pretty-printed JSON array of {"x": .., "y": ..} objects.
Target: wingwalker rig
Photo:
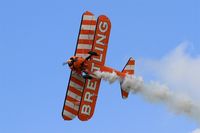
[{"x": 89, "y": 57}]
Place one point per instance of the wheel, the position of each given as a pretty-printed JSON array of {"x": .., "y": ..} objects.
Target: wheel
[{"x": 87, "y": 76}]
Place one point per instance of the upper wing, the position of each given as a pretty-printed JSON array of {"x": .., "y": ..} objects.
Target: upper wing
[
  {"x": 91, "y": 88},
  {"x": 76, "y": 82},
  {"x": 86, "y": 35}
]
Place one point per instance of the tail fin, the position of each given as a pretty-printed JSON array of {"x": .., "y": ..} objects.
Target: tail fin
[{"x": 128, "y": 69}]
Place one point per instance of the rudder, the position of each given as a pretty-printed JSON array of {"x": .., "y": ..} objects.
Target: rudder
[{"x": 128, "y": 69}]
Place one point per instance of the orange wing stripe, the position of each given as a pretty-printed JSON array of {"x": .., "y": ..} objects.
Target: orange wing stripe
[
  {"x": 70, "y": 110},
  {"x": 87, "y": 32},
  {"x": 81, "y": 51},
  {"x": 76, "y": 102},
  {"x": 65, "y": 117},
  {"x": 89, "y": 22},
  {"x": 74, "y": 90},
  {"x": 77, "y": 81},
  {"x": 82, "y": 41}
]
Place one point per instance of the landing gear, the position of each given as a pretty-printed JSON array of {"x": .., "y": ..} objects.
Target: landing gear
[
  {"x": 87, "y": 77},
  {"x": 92, "y": 53}
]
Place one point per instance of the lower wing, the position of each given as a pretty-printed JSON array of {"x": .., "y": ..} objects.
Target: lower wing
[{"x": 73, "y": 96}]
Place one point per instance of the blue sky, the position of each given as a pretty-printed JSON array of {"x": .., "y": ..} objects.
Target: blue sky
[{"x": 37, "y": 36}]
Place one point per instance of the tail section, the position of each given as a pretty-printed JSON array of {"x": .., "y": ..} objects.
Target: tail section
[{"x": 128, "y": 69}]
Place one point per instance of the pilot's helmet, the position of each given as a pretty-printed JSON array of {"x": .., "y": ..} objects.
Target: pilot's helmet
[{"x": 72, "y": 58}]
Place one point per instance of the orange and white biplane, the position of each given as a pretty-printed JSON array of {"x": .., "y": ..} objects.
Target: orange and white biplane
[{"x": 90, "y": 55}]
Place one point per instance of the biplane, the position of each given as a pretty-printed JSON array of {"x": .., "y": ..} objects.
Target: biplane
[{"x": 89, "y": 57}]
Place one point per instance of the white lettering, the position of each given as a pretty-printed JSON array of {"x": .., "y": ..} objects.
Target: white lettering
[
  {"x": 98, "y": 59},
  {"x": 103, "y": 26},
  {"x": 100, "y": 39},
  {"x": 86, "y": 109},
  {"x": 91, "y": 85},
  {"x": 88, "y": 96},
  {"x": 93, "y": 68},
  {"x": 100, "y": 49}
]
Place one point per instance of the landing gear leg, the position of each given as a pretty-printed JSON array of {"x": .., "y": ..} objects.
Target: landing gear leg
[{"x": 91, "y": 54}]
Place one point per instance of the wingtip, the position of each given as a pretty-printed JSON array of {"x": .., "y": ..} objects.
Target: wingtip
[
  {"x": 88, "y": 13},
  {"x": 66, "y": 118},
  {"x": 131, "y": 58}
]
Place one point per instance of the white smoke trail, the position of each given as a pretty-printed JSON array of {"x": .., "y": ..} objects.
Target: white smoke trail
[
  {"x": 196, "y": 131},
  {"x": 156, "y": 93},
  {"x": 178, "y": 68},
  {"x": 110, "y": 77}
]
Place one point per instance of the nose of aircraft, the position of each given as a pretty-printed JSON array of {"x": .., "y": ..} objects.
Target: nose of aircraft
[
  {"x": 66, "y": 62},
  {"x": 69, "y": 62}
]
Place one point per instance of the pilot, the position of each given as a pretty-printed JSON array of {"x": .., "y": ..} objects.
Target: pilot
[{"x": 78, "y": 63}]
